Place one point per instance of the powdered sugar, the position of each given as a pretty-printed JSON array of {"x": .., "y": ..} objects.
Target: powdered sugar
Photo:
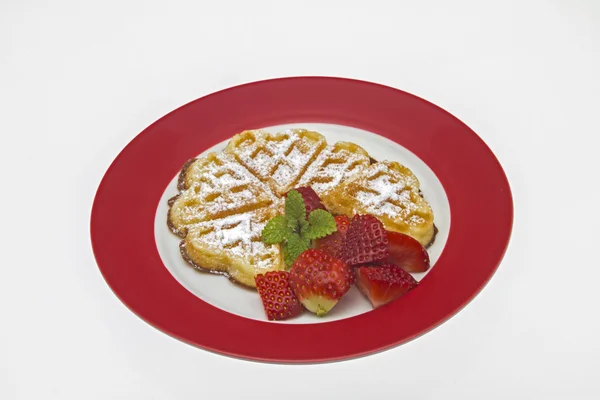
[
  {"x": 239, "y": 236},
  {"x": 279, "y": 159},
  {"x": 221, "y": 187},
  {"x": 331, "y": 167},
  {"x": 235, "y": 229},
  {"x": 386, "y": 192}
]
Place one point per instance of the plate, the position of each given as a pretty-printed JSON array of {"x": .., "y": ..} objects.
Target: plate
[
  {"x": 460, "y": 177},
  {"x": 221, "y": 293}
]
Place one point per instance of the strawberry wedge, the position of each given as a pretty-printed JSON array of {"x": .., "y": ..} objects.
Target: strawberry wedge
[
  {"x": 407, "y": 253},
  {"x": 382, "y": 284},
  {"x": 366, "y": 241},
  {"x": 277, "y": 297},
  {"x": 332, "y": 244}
]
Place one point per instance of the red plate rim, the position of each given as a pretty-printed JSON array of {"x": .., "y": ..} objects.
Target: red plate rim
[{"x": 122, "y": 218}]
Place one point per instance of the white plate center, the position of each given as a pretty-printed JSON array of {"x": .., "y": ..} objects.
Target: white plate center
[{"x": 220, "y": 292}]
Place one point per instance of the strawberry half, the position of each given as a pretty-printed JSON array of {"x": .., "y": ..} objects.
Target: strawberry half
[
  {"x": 312, "y": 201},
  {"x": 382, "y": 284},
  {"x": 407, "y": 253},
  {"x": 332, "y": 244},
  {"x": 366, "y": 241},
  {"x": 277, "y": 297},
  {"x": 319, "y": 280}
]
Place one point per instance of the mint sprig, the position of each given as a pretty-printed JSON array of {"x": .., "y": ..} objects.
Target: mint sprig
[
  {"x": 320, "y": 224},
  {"x": 277, "y": 230},
  {"x": 295, "y": 209},
  {"x": 296, "y": 244},
  {"x": 293, "y": 231}
]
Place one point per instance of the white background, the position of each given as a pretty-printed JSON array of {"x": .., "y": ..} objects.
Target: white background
[{"x": 78, "y": 81}]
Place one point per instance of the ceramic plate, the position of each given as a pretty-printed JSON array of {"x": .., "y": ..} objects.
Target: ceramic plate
[{"x": 460, "y": 178}]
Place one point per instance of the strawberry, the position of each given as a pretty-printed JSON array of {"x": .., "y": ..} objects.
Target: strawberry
[
  {"x": 384, "y": 283},
  {"x": 407, "y": 253},
  {"x": 278, "y": 299},
  {"x": 366, "y": 241},
  {"x": 312, "y": 201},
  {"x": 319, "y": 280},
  {"x": 333, "y": 243}
]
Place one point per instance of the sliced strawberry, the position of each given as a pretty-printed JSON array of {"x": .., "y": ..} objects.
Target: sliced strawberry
[
  {"x": 312, "y": 201},
  {"x": 278, "y": 299},
  {"x": 366, "y": 241},
  {"x": 407, "y": 253},
  {"x": 333, "y": 243},
  {"x": 319, "y": 280},
  {"x": 383, "y": 283}
]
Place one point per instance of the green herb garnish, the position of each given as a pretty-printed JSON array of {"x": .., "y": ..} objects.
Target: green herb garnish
[{"x": 293, "y": 231}]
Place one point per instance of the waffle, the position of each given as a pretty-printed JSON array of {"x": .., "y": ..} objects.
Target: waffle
[
  {"x": 216, "y": 186},
  {"x": 333, "y": 165},
  {"x": 220, "y": 212},
  {"x": 390, "y": 192},
  {"x": 233, "y": 246},
  {"x": 279, "y": 159},
  {"x": 225, "y": 199}
]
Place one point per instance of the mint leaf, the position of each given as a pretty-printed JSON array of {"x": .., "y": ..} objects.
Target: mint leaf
[
  {"x": 292, "y": 224},
  {"x": 303, "y": 225},
  {"x": 321, "y": 223},
  {"x": 287, "y": 258},
  {"x": 294, "y": 206},
  {"x": 294, "y": 246},
  {"x": 276, "y": 230}
]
